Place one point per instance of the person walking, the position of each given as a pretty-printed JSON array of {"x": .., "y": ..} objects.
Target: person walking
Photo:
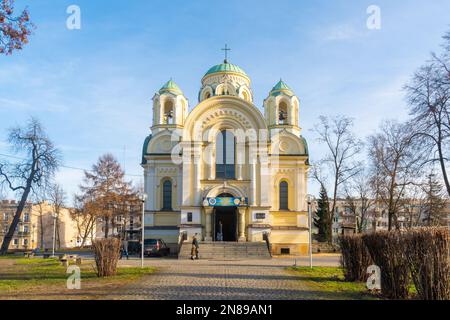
[
  {"x": 194, "y": 250},
  {"x": 124, "y": 249}
]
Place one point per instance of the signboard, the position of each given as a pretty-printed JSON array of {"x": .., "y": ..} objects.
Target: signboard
[
  {"x": 260, "y": 216},
  {"x": 225, "y": 202}
]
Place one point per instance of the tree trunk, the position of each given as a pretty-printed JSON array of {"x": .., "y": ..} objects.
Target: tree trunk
[
  {"x": 444, "y": 171},
  {"x": 333, "y": 209},
  {"x": 15, "y": 222},
  {"x": 58, "y": 235},
  {"x": 106, "y": 228}
]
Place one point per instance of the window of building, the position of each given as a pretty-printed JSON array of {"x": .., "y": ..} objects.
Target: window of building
[
  {"x": 25, "y": 242},
  {"x": 167, "y": 195},
  {"x": 189, "y": 216},
  {"x": 284, "y": 196},
  {"x": 16, "y": 242},
  {"x": 26, "y": 217},
  {"x": 5, "y": 216},
  {"x": 283, "y": 113},
  {"x": 225, "y": 155},
  {"x": 25, "y": 229},
  {"x": 168, "y": 112}
]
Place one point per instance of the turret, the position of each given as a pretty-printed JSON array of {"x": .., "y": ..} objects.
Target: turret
[
  {"x": 170, "y": 107},
  {"x": 281, "y": 109}
]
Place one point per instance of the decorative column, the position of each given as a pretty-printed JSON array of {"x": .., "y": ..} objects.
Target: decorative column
[
  {"x": 197, "y": 175},
  {"x": 242, "y": 224},
  {"x": 212, "y": 162},
  {"x": 240, "y": 160},
  {"x": 253, "y": 160},
  {"x": 187, "y": 165},
  {"x": 150, "y": 189},
  {"x": 208, "y": 223},
  {"x": 265, "y": 177}
]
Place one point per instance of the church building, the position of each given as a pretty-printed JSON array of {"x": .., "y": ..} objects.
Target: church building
[{"x": 224, "y": 170}]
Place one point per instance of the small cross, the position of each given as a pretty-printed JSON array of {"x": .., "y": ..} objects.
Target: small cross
[{"x": 226, "y": 49}]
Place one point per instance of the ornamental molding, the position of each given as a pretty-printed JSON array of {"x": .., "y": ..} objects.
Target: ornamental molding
[{"x": 226, "y": 113}]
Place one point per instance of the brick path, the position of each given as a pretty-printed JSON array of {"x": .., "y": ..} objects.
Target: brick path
[{"x": 217, "y": 280}]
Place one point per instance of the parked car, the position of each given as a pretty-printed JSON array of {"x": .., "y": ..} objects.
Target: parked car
[
  {"x": 155, "y": 247},
  {"x": 134, "y": 247}
]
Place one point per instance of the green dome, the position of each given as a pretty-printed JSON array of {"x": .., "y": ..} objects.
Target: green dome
[
  {"x": 226, "y": 67},
  {"x": 281, "y": 87},
  {"x": 172, "y": 87}
]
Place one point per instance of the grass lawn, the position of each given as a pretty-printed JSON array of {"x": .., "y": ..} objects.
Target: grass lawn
[
  {"x": 38, "y": 278},
  {"x": 328, "y": 283}
]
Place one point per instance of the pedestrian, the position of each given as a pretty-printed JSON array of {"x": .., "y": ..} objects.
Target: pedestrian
[
  {"x": 124, "y": 250},
  {"x": 194, "y": 250}
]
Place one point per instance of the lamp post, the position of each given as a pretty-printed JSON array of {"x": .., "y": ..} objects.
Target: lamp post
[
  {"x": 143, "y": 199},
  {"x": 310, "y": 198}
]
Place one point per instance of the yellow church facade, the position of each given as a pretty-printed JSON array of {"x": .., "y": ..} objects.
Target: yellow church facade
[{"x": 225, "y": 170}]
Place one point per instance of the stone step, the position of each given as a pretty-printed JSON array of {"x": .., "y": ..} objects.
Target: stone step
[{"x": 227, "y": 250}]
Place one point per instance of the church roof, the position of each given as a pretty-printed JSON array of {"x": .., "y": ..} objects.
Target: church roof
[
  {"x": 226, "y": 67},
  {"x": 171, "y": 86},
  {"x": 145, "y": 147},
  {"x": 281, "y": 87}
]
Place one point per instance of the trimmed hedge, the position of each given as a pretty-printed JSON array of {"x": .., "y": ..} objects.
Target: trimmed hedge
[
  {"x": 107, "y": 254},
  {"x": 355, "y": 257},
  {"x": 427, "y": 250},
  {"x": 388, "y": 252}
]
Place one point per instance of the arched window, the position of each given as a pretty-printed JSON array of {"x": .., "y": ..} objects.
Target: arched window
[
  {"x": 225, "y": 155},
  {"x": 168, "y": 113},
  {"x": 207, "y": 95},
  {"x": 284, "y": 196},
  {"x": 167, "y": 196},
  {"x": 283, "y": 115}
]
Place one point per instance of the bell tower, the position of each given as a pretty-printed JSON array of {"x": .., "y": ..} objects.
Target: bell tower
[
  {"x": 281, "y": 109},
  {"x": 170, "y": 107}
]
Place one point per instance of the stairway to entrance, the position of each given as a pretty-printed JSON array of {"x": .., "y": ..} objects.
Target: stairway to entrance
[{"x": 227, "y": 250}]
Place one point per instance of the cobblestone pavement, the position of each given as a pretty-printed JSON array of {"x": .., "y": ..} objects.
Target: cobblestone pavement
[{"x": 217, "y": 280}]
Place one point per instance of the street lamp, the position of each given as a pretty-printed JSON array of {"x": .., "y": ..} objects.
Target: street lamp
[
  {"x": 143, "y": 199},
  {"x": 310, "y": 198}
]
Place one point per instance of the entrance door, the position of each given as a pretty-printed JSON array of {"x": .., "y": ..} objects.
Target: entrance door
[{"x": 225, "y": 221}]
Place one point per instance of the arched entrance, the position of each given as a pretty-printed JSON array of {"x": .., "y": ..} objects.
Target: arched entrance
[{"x": 225, "y": 222}]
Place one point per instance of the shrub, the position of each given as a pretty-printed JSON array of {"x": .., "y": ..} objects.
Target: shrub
[
  {"x": 427, "y": 250},
  {"x": 355, "y": 257},
  {"x": 387, "y": 250},
  {"x": 107, "y": 254}
]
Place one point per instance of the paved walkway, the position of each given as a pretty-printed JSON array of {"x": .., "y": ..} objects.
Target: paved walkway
[{"x": 219, "y": 280}]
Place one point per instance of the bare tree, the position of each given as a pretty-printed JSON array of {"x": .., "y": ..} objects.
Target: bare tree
[
  {"x": 394, "y": 166},
  {"x": 107, "y": 191},
  {"x": 85, "y": 216},
  {"x": 35, "y": 171},
  {"x": 39, "y": 198},
  {"x": 336, "y": 133},
  {"x": 58, "y": 201},
  {"x": 428, "y": 94},
  {"x": 359, "y": 199}
]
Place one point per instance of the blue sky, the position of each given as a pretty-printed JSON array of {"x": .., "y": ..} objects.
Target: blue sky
[{"x": 92, "y": 88}]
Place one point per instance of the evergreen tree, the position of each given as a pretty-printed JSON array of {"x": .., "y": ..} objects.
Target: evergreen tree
[
  {"x": 434, "y": 206},
  {"x": 322, "y": 220}
]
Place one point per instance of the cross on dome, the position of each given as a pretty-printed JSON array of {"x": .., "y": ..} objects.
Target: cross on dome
[{"x": 226, "y": 49}]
